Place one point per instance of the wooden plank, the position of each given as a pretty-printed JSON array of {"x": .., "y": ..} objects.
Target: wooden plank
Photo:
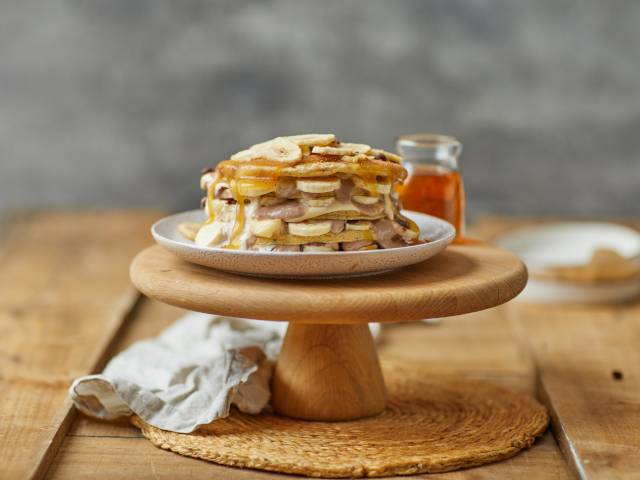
[
  {"x": 480, "y": 345},
  {"x": 64, "y": 294},
  {"x": 493, "y": 354},
  {"x": 588, "y": 362},
  {"x": 589, "y": 374},
  {"x": 125, "y": 458}
]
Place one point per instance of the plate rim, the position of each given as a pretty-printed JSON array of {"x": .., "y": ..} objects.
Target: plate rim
[
  {"x": 446, "y": 239},
  {"x": 512, "y": 239}
]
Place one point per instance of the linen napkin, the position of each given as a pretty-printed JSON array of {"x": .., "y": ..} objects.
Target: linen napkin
[{"x": 189, "y": 375}]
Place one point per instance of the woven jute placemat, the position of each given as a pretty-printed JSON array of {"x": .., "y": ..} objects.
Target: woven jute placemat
[{"x": 433, "y": 423}]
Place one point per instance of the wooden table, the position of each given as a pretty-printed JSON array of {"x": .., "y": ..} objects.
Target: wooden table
[{"x": 66, "y": 306}]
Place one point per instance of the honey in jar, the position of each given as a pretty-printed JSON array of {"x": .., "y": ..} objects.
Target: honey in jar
[{"x": 434, "y": 185}]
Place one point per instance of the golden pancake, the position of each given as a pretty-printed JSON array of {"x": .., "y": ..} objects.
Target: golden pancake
[
  {"x": 278, "y": 191},
  {"x": 288, "y": 239}
]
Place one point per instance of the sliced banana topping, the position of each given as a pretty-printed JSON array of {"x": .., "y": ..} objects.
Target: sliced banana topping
[
  {"x": 356, "y": 148},
  {"x": 318, "y": 185},
  {"x": 309, "y": 229},
  {"x": 376, "y": 152},
  {"x": 317, "y": 248},
  {"x": 318, "y": 202},
  {"x": 189, "y": 229},
  {"x": 206, "y": 179},
  {"x": 381, "y": 188},
  {"x": 313, "y": 139},
  {"x": 360, "y": 226},
  {"x": 365, "y": 200},
  {"x": 210, "y": 235},
  {"x": 343, "y": 149},
  {"x": 255, "y": 189},
  {"x": 244, "y": 155},
  {"x": 222, "y": 211},
  {"x": 410, "y": 234},
  {"x": 266, "y": 228},
  {"x": 278, "y": 150}
]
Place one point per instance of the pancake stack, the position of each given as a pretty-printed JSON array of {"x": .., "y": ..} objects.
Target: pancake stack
[{"x": 304, "y": 193}]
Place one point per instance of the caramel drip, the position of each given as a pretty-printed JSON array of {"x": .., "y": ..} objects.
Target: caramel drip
[
  {"x": 210, "y": 195},
  {"x": 240, "y": 173}
]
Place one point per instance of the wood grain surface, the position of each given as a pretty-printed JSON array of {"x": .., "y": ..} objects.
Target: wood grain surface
[
  {"x": 107, "y": 450},
  {"x": 64, "y": 294},
  {"x": 568, "y": 354},
  {"x": 459, "y": 280},
  {"x": 328, "y": 373},
  {"x": 588, "y": 371},
  {"x": 589, "y": 374}
]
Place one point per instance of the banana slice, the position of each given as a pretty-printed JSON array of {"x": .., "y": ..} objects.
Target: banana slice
[
  {"x": 255, "y": 189},
  {"x": 266, "y": 228},
  {"x": 205, "y": 180},
  {"x": 360, "y": 226},
  {"x": 317, "y": 248},
  {"x": 210, "y": 235},
  {"x": 319, "y": 185},
  {"x": 222, "y": 211},
  {"x": 376, "y": 152},
  {"x": 278, "y": 150},
  {"x": 244, "y": 155},
  {"x": 189, "y": 229},
  {"x": 409, "y": 234},
  {"x": 313, "y": 139},
  {"x": 343, "y": 149},
  {"x": 381, "y": 188},
  {"x": 310, "y": 229},
  {"x": 356, "y": 148},
  {"x": 365, "y": 200},
  {"x": 318, "y": 202}
]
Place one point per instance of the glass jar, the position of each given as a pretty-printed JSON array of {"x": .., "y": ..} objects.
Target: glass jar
[{"x": 434, "y": 185}]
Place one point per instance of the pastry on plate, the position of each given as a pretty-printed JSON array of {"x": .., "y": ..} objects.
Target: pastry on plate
[{"x": 304, "y": 193}]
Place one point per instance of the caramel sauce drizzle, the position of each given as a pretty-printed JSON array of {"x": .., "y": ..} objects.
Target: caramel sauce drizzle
[
  {"x": 210, "y": 196},
  {"x": 235, "y": 171}
]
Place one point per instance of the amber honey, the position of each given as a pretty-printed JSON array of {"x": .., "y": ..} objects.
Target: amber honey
[{"x": 437, "y": 191}]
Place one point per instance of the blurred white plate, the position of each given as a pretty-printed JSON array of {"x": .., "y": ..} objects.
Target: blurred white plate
[
  {"x": 572, "y": 244},
  {"x": 303, "y": 264}
]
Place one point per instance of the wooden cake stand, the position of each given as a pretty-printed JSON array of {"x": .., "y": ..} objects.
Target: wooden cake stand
[{"x": 333, "y": 414}]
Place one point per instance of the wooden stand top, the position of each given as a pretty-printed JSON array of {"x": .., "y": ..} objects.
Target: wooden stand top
[{"x": 462, "y": 279}]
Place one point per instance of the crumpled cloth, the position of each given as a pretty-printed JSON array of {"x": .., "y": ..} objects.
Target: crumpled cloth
[{"x": 189, "y": 375}]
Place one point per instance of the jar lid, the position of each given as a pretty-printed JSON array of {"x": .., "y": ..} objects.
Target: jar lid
[{"x": 429, "y": 145}]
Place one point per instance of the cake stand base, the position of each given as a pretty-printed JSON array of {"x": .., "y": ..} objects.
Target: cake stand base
[
  {"x": 328, "y": 373},
  {"x": 432, "y": 423}
]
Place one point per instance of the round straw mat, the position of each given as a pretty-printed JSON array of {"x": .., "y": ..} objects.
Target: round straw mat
[{"x": 433, "y": 423}]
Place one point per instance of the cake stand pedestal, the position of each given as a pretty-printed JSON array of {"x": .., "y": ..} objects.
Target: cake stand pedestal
[{"x": 334, "y": 416}]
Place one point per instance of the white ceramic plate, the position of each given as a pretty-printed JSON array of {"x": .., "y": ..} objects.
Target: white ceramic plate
[
  {"x": 437, "y": 232},
  {"x": 572, "y": 244}
]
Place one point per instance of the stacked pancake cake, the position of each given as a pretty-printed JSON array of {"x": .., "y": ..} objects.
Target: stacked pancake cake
[{"x": 304, "y": 193}]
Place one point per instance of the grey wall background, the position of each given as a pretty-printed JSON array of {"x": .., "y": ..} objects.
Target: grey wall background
[{"x": 122, "y": 102}]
